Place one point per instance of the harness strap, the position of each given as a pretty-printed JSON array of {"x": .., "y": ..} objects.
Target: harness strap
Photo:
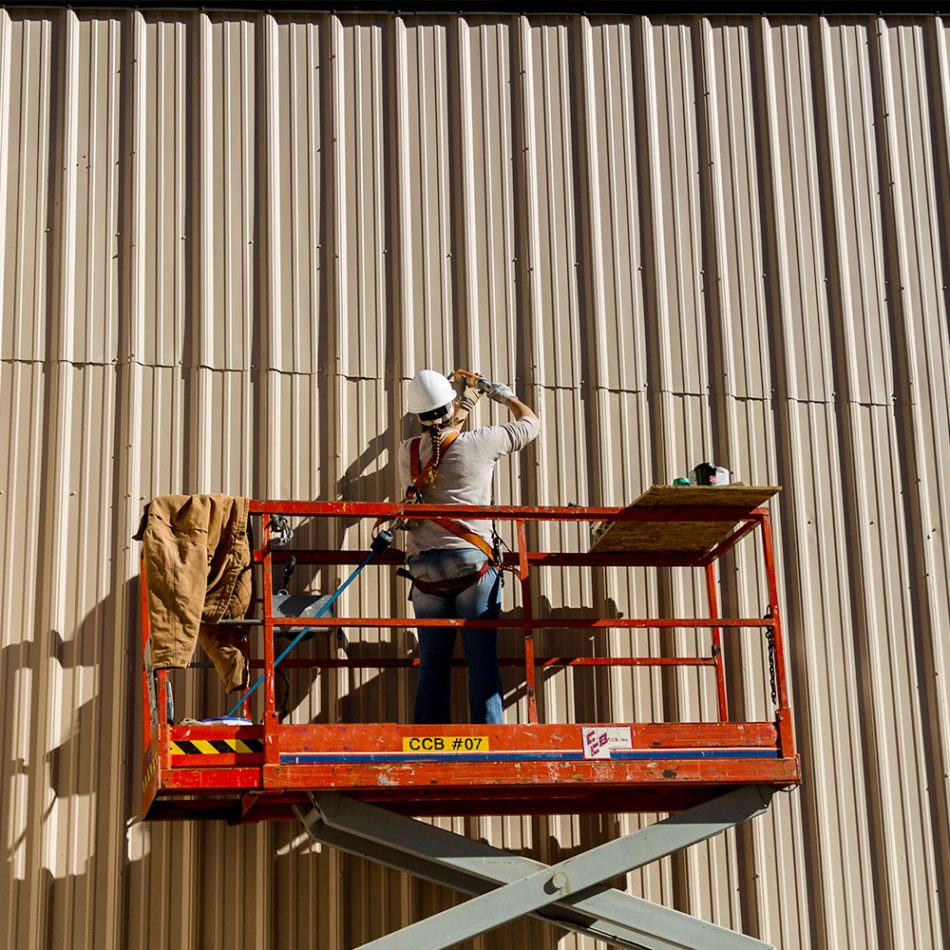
[
  {"x": 415, "y": 447},
  {"x": 459, "y": 530},
  {"x": 418, "y": 480},
  {"x": 419, "y": 477},
  {"x": 419, "y": 474},
  {"x": 450, "y": 588}
]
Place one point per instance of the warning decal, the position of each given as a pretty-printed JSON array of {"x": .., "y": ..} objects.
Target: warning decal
[{"x": 215, "y": 746}]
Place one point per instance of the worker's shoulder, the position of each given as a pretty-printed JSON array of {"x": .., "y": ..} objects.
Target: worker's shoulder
[
  {"x": 404, "y": 450},
  {"x": 528, "y": 426}
]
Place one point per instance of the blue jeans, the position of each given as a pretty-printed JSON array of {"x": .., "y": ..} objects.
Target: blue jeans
[{"x": 480, "y": 601}]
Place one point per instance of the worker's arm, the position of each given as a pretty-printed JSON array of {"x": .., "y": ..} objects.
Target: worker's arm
[
  {"x": 504, "y": 395},
  {"x": 519, "y": 410}
]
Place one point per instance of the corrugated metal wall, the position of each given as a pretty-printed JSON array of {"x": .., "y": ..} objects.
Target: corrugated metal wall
[{"x": 227, "y": 241}]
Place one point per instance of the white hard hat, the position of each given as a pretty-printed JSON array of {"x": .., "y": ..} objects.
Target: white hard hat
[{"x": 430, "y": 396}]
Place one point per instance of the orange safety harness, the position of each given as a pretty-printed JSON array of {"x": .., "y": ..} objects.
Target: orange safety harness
[{"x": 420, "y": 475}]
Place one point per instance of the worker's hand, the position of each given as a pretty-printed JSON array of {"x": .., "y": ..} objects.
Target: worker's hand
[
  {"x": 468, "y": 397},
  {"x": 465, "y": 384},
  {"x": 497, "y": 392}
]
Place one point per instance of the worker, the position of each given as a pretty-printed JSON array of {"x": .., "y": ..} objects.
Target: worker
[{"x": 454, "y": 565}]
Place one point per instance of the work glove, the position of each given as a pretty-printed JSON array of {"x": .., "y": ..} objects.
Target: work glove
[
  {"x": 468, "y": 397},
  {"x": 497, "y": 392},
  {"x": 467, "y": 391}
]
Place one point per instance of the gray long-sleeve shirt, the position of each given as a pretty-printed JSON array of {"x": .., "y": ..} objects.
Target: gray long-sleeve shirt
[{"x": 464, "y": 477}]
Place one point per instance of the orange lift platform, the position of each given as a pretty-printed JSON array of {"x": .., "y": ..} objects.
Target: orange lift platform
[{"x": 355, "y": 786}]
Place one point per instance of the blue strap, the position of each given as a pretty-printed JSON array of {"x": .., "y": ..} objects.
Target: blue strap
[{"x": 369, "y": 557}]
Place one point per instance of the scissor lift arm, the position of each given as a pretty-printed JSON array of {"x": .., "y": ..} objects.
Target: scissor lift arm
[{"x": 506, "y": 886}]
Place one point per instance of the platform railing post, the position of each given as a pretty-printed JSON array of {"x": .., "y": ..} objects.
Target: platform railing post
[
  {"x": 158, "y": 688},
  {"x": 146, "y": 637},
  {"x": 717, "y": 643},
  {"x": 527, "y": 614},
  {"x": 271, "y": 752},
  {"x": 246, "y": 705},
  {"x": 780, "y": 685},
  {"x": 164, "y": 738},
  {"x": 783, "y": 713}
]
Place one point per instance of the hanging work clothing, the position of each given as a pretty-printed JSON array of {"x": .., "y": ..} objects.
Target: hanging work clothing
[
  {"x": 197, "y": 566},
  {"x": 464, "y": 477}
]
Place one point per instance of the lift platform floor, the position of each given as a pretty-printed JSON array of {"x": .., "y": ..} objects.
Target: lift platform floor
[{"x": 236, "y": 773}]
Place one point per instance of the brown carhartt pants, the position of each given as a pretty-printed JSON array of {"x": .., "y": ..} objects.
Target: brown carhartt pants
[{"x": 197, "y": 566}]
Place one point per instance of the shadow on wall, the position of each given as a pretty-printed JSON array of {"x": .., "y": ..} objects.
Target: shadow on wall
[
  {"x": 73, "y": 753},
  {"x": 584, "y": 691},
  {"x": 75, "y": 846},
  {"x": 365, "y": 479},
  {"x": 368, "y": 478},
  {"x": 381, "y": 694}
]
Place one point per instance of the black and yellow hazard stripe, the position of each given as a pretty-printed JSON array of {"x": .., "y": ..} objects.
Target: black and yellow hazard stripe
[
  {"x": 149, "y": 772},
  {"x": 216, "y": 746}
]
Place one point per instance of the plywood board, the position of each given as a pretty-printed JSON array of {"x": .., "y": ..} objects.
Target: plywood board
[{"x": 682, "y": 537}]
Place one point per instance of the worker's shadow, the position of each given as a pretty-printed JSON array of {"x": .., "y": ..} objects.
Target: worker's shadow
[
  {"x": 334, "y": 693},
  {"x": 359, "y": 674},
  {"x": 383, "y": 689},
  {"x": 339, "y": 694},
  {"x": 370, "y": 477}
]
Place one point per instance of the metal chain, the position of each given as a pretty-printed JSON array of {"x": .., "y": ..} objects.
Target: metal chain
[{"x": 770, "y": 639}]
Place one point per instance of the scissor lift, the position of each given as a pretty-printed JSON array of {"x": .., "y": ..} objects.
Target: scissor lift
[{"x": 354, "y": 784}]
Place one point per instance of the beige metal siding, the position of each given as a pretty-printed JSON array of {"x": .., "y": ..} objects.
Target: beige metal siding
[{"x": 226, "y": 242}]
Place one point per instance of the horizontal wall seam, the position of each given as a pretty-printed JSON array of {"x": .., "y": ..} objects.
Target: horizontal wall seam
[{"x": 545, "y": 387}]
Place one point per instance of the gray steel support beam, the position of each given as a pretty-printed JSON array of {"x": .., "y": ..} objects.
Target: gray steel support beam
[
  {"x": 601, "y": 912},
  {"x": 568, "y": 894},
  {"x": 470, "y": 884}
]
